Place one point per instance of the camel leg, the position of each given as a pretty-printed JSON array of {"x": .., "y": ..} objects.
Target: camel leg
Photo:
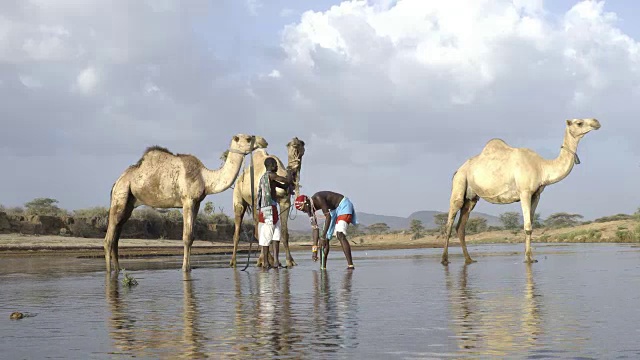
[
  {"x": 455, "y": 203},
  {"x": 284, "y": 230},
  {"x": 461, "y": 228},
  {"x": 239, "y": 211},
  {"x": 526, "y": 200},
  {"x": 189, "y": 212},
  {"x": 122, "y": 204}
]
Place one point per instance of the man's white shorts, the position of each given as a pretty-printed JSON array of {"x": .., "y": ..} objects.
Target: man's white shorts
[
  {"x": 341, "y": 226},
  {"x": 268, "y": 233}
]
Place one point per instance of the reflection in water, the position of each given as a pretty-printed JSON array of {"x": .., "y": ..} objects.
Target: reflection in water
[
  {"x": 121, "y": 322},
  {"x": 264, "y": 322},
  {"x": 192, "y": 335},
  {"x": 153, "y": 329},
  {"x": 334, "y": 317},
  {"x": 494, "y": 323},
  {"x": 572, "y": 306}
]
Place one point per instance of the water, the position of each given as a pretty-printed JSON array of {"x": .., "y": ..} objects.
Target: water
[{"x": 578, "y": 301}]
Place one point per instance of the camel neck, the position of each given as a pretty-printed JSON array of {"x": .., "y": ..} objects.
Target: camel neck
[
  {"x": 221, "y": 179},
  {"x": 560, "y": 167}
]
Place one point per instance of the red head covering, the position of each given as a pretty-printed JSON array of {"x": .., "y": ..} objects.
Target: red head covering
[{"x": 300, "y": 201}]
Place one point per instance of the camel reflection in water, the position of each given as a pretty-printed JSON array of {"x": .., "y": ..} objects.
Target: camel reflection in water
[
  {"x": 252, "y": 314},
  {"x": 192, "y": 334},
  {"x": 133, "y": 335},
  {"x": 494, "y": 323},
  {"x": 122, "y": 324}
]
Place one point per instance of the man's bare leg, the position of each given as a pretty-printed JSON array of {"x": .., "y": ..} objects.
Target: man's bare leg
[
  {"x": 276, "y": 253},
  {"x": 325, "y": 248},
  {"x": 265, "y": 257},
  {"x": 346, "y": 248}
]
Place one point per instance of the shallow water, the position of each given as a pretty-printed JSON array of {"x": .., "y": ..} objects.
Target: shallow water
[{"x": 578, "y": 301}]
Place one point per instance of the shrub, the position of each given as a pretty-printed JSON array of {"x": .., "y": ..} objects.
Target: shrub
[
  {"x": 510, "y": 220},
  {"x": 562, "y": 219},
  {"x": 44, "y": 206},
  {"x": 100, "y": 213}
]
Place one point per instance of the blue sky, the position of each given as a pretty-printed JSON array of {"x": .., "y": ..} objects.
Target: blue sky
[{"x": 390, "y": 97}]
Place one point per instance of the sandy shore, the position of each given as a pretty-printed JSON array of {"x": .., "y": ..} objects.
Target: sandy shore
[{"x": 15, "y": 245}]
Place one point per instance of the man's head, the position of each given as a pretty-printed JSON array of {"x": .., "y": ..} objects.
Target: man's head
[
  {"x": 270, "y": 164},
  {"x": 301, "y": 202}
]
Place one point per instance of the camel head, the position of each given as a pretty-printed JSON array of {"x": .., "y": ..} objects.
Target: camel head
[
  {"x": 295, "y": 151},
  {"x": 241, "y": 143},
  {"x": 579, "y": 127}
]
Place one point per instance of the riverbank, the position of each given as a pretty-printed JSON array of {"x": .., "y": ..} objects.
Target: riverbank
[{"x": 16, "y": 245}]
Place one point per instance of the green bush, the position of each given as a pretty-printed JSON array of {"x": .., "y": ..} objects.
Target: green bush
[
  {"x": 580, "y": 236},
  {"x": 44, "y": 206},
  {"x": 613, "y": 218}
]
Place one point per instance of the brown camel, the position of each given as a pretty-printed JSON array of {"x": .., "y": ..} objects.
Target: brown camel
[
  {"x": 502, "y": 174},
  {"x": 161, "y": 179},
  {"x": 242, "y": 194}
]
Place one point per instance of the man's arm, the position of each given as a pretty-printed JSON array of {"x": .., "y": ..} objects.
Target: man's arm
[
  {"x": 327, "y": 216},
  {"x": 281, "y": 181}
]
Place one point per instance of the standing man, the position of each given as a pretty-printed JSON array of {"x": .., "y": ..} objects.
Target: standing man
[
  {"x": 268, "y": 219},
  {"x": 338, "y": 212}
]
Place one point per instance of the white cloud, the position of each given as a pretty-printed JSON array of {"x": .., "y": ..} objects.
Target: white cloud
[
  {"x": 29, "y": 81},
  {"x": 87, "y": 80},
  {"x": 447, "y": 76},
  {"x": 418, "y": 61},
  {"x": 253, "y": 6}
]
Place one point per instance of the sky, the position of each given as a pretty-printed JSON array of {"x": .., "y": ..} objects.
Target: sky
[{"x": 390, "y": 97}]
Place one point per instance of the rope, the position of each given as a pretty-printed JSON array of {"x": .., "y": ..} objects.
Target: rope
[{"x": 252, "y": 208}]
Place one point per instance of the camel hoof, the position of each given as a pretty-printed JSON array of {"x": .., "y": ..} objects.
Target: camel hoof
[
  {"x": 444, "y": 262},
  {"x": 470, "y": 261},
  {"x": 530, "y": 261},
  {"x": 291, "y": 264}
]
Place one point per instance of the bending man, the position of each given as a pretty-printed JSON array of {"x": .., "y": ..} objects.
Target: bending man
[{"x": 338, "y": 212}]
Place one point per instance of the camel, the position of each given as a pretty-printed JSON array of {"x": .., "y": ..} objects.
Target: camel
[
  {"x": 242, "y": 194},
  {"x": 502, "y": 174},
  {"x": 164, "y": 180}
]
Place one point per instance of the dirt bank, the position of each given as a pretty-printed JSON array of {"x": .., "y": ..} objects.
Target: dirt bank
[{"x": 11, "y": 245}]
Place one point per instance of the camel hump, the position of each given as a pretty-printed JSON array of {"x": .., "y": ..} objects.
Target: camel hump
[
  {"x": 157, "y": 148},
  {"x": 495, "y": 145},
  {"x": 150, "y": 149}
]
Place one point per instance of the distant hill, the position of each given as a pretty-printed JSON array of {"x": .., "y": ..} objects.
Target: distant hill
[{"x": 301, "y": 222}]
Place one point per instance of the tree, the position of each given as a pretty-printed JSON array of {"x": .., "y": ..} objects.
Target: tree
[
  {"x": 510, "y": 220},
  {"x": 416, "y": 228},
  {"x": 355, "y": 230},
  {"x": 476, "y": 225},
  {"x": 537, "y": 221},
  {"x": 378, "y": 228},
  {"x": 562, "y": 219},
  {"x": 44, "y": 206},
  {"x": 208, "y": 208},
  {"x": 441, "y": 221}
]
